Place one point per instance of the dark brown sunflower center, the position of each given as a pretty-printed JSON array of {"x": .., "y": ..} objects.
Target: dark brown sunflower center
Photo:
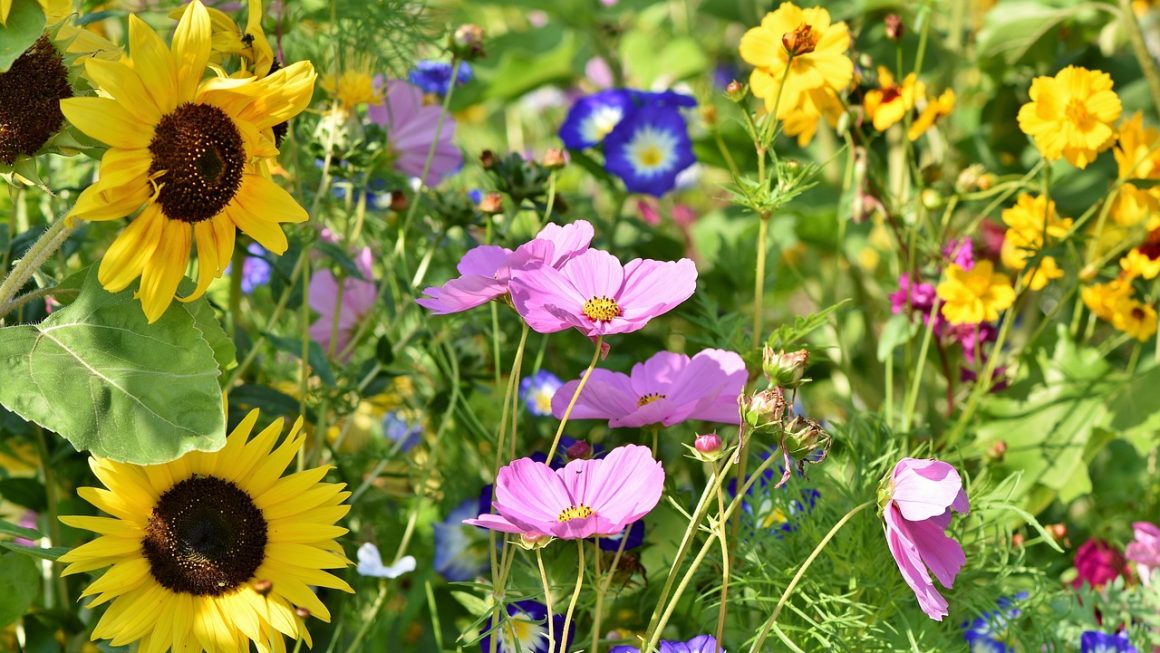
[
  {"x": 30, "y": 95},
  {"x": 198, "y": 160},
  {"x": 205, "y": 537}
]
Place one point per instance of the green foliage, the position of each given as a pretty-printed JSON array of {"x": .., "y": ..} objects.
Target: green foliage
[
  {"x": 25, "y": 24},
  {"x": 142, "y": 393},
  {"x": 19, "y": 585}
]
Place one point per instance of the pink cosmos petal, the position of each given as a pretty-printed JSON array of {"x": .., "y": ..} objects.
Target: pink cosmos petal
[
  {"x": 495, "y": 523},
  {"x": 460, "y": 294},
  {"x": 648, "y": 212},
  {"x": 910, "y": 563},
  {"x": 595, "y": 273},
  {"x": 623, "y": 487},
  {"x": 322, "y": 292},
  {"x": 1145, "y": 550},
  {"x": 530, "y": 495},
  {"x": 710, "y": 386},
  {"x": 567, "y": 241},
  {"x": 926, "y": 488},
  {"x": 655, "y": 287},
  {"x": 658, "y": 373},
  {"x": 540, "y": 288},
  {"x": 411, "y": 127},
  {"x": 607, "y": 395},
  {"x": 658, "y": 411},
  {"x": 358, "y": 299},
  {"x": 359, "y": 295},
  {"x": 484, "y": 261},
  {"x": 942, "y": 554}
]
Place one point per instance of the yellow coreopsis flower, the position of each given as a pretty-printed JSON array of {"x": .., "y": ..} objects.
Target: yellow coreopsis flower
[
  {"x": 188, "y": 153},
  {"x": 975, "y": 295},
  {"x": 889, "y": 103},
  {"x": 352, "y": 88},
  {"x": 935, "y": 110},
  {"x": 1071, "y": 115},
  {"x": 1135, "y": 319},
  {"x": 1132, "y": 206},
  {"x": 801, "y": 47},
  {"x": 1101, "y": 298},
  {"x": 802, "y": 120},
  {"x": 1027, "y": 222},
  {"x": 1143, "y": 261},
  {"x": 1138, "y": 149}
]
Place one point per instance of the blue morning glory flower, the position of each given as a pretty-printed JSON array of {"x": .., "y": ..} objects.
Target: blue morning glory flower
[
  {"x": 699, "y": 644},
  {"x": 633, "y": 539},
  {"x": 593, "y": 117},
  {"x": 435, "y": 76},
  {"x": 460, "y": 549},
  {"x": 255, "y": 268},
  {"x": 526, "y": 630},
  {"x": 648, "y": 149},
  {"x": 1094, "y": 641},
  {"x": 768, "y": 509},
  {"x": 403, "y": 432},
  {"x": 537, "y": 391},
  {"x": 984, "y": 634}
]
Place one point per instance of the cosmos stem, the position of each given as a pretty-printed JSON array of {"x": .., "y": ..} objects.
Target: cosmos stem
[
  {"x": 602, "y": 585},
  {"x": 547, "y": 601},
  {"x": 50, "y": 241},
  {"x": 576, "y": 592},
  {"x": 370, "y": 621},
  {"x": 576, "y": 396}
]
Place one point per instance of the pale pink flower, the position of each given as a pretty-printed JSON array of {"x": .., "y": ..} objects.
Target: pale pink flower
[
  {"x": 411, "y": 127},
  {"x": 484, "y": 272},
  {"x": 921, "y": 496},
  {"x": 666, "y": 389},
  {"x": 585, "y": 498},
  {"x": 358, "y": 298},
  {"x": 597, "y": 295},
  {"x": 1145, "y": 550}
]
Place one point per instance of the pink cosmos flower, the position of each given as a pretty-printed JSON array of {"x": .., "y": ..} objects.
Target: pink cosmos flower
[
  {"x": 410, "y": 127},
  {"x": 666, "y": 389},
  {"x": 484, "y": 272},
  {"x": 586, "y": 498},
  {"x": 1145, "y": 550},
  {"x": 921, "y": 496},
  {"x": 358, "y": 298},
  {"x": 597, "y": 295},
  {"x": 1098, "y": 563}
]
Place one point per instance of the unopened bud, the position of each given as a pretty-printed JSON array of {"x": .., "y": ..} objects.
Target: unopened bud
[
  {"x": 398, "y": 201},
  {"x": 804, "y": 436},
  {"x": 1088, "y": 272},
  {"x": 531, "y": 542},
  {"x": 968, "y": 179},
  {"x": 467, "y": 42},
  {"x": 1057, "y": 531},
  {"x": 803, "y": 40},
  {"x": 931, "y": 198},
  {"x": 997, "y": 451},
  {"x": 735, "y": 91},
  {"x": 263, "y": 586},
  {"x": 554, "y": 159},
  {"x": 894, "y": 28},
  {"x": 709, "y": 114},
  {"x": 785, "y": 369},
  {"x": 487, "y": 159},
  {"x": 986, "y": 181},
  {"x": 764, "y": 408},
  {"x": 1017, "y": 540},
  {"x": 302, "y": 613},
  {"x": 491, "y": 203},
  {"x": 578, "y": 449},
  {"x": 707, "y": 448}
]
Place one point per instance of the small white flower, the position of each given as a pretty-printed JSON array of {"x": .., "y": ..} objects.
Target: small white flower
[{"x": 370, "y": 563}]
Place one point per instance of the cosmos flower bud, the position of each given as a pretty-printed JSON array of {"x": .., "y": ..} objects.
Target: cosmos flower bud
[
  {"x": 467, "y": 42},
  {"x": 735, "y": 91},
  {"x": 785, "y": 369},
  {"x": 554, "y": 159},
  {"x": 491, "y": 203},
  {"x": 804, "y": 436},
  {"x": 487, "y": 159},
  {"x": 765, "y": 408},
  {"x": 894, "y": 27},
  {"x": 398, "y": 201},
  {"x": 997, "y": 451},
  {"x": 1017, "y": 540},
  {"x": 708, "y": 447},
  {"x": 578, "y": 449}
]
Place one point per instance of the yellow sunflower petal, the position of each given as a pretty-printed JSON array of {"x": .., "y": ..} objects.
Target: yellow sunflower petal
[
  {"x": 125, "y": 85},
  {"x": 126, "y": 257},
  {"x": 154, "y": 63},
  {"x": 165, "y": 269},
  {"x": 191, "y": 49},
  {"x": 107, "y": 121}
]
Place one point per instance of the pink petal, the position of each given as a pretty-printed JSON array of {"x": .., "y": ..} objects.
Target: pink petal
[
  {"x": 652, "y": 288},
  {"x": 529, "y": 494},
  {"x": 710, "y": 385},
  {"x": 606, "y": 396},
  {"x": 567, "y": 241},
  {"x": 925, "y": 488},
  {"x": 658, "y": 373},
  {"x": 537, "y": 290},
  {"x": 495, "y": 523},
  {"x": 323, "y": 292},
  {"x": 484, "y": 261},
  {"x": 461, "y": 294},
  {"x": 625, "y": 486},
  {"x": 942, "y": 554},
  {"x": 595, "y": 273},
  {"x": 910, "y": 563}
]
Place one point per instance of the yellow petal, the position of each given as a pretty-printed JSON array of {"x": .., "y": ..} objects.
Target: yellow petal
[
  {"x": 126, "y": 257},
  {"x": 107, "y": 121},
  {"x": 154, "y": 63},
  {"x": 191, "y": 49},
  {"x": 165, "y": 269},
  {"x": 123, "y": 83}
]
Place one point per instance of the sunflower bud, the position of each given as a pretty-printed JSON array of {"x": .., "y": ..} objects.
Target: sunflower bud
[
  {"x": 785, "y": 369},
  {"x": 765, "y": 408},
  {"x": 554, "y": 159},
  {"x": 735, "y": 91},
  {"x": 467, "y": 42},
  {"x": 491, "y": 203}
]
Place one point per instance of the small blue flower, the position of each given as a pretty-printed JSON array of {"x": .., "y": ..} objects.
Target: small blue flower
[
  {"x": 526, "y": 630},
  {"x": 633, "y": 539},
  {"x": 650, "y": 99},
  {"x": 537, "y": 391},
  {"x": 475, "y": 195},
  {"x": 460, "y": 549},
  {"x": 985, "y": 633},
  {"x": 594, "y": 116},
  {"x": 1094, "y": 641},
  {"x": 648, "y": 149},
  {"x": 403, "y": 432},
  {"x": 255, "y": 268},
  {"x": 435, "y": 76},
  {"x": 699, "y": 644},
  {"x": 768, "y": 509}
]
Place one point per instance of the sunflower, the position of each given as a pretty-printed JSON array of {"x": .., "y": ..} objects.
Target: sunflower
[
  {"x": 189, "y": 153},
  {"x": 213, "y": 550}
]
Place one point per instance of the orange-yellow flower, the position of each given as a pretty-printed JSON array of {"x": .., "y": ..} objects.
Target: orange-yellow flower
[
  {"x": 1101, "y": 298},
  {"x": 889, "y": 103},
  {"x": 801, "y": 47},
  {"x": 975, "y": 295},
  {"x": 1071, "y": 115},
  {"x": 1138, "y": 150},
  {"x": 1027, "y": 222},
  {"x": 1135, "y": 319},
  {"x": 935, "y": 110}
]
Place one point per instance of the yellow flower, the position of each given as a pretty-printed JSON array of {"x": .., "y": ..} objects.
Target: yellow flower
[
  {"x": 1027, "y": 222},
  {"x": 1071, "y": 115},
  {"x": 352, "y": 88},
  {"x": 54, "y": 10},
  {"x": 1134, "y": 318},
  {"x": 250, "y": 45},
  {"x": 212, "y": 551},
  {"x": 1143, "y": 261},
  {"x": 802, "y": 120},
  {"x": 975, "y": 295},
  {"x": 817, "y": 49},
  {"x": 1132, "y": 206},
  {"x": 936, "y": 109},
  {"x": 890, "y": 102},
  {"x": 1138, "y": 150},
  {"x": 1101, "y": 298},
  {"x": 189, "y": 154}
]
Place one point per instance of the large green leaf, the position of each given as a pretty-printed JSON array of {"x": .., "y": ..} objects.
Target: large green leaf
[
  {"x": 19, "y": 585},
  {"x": 25, "y": 24},
  {"x": 98, "y": 374}
]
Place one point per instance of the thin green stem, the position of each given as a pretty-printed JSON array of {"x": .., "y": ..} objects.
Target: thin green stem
[
  {"x": 916, "y": 381},
  {"x": 370, "y": 621},
  {"x": 547, "y": 602},
  {"x": 759, "y": 279},
  {"x": 48, "y": 477},
  {"x": 575, "y": 397},
  {"x": 51, "y": 240},
  {"x": 579, "y": 585},
  {"x": 1140, "y": 49},
  {"x": 275, "y": 315}
]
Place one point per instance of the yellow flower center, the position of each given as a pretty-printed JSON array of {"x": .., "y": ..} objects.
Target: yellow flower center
[
  {"x": 649, "y": 398},
  {"x": 1076, "y": 112},
  {"x": 651, "y": 156},
  {"x": 574, "y": 512},
  {"x": 198, "y": 162},
  {"x": 601, "y": 309}
]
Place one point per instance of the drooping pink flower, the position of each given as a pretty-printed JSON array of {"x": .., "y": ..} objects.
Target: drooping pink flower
[
  {"x": 921, "y": 496},
  {"x": 1098, "y": 563},
  {"x": 585, "y": 498},
  {"x": 1145, "y": 550},
  {"x": 486, "y": 270},
  {"x": 597, "y": 295},
  {"x": 411, "y": 127},
  {"x": 666, "y": 389},
  {"x": 358, "y": 298}
]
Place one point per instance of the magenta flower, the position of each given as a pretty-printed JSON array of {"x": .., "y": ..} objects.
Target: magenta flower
[
  {"x": 666, "y": 389},
  {"x": 598, "y": 296},
  {"x": 358, "y": 298},
  {"x": 1098, "y": 563},
  {"x": 913, "y": 297},
  {"x": 1145, "y": 549},
  {"x": 586, "y": 498},
  {"x": 960, "y": 251},
  {"x": 484, "y": 272},
  {"x": 920, "y": 497},
  {"x": 411, "y": 127},
  {"x": 972, "y": 337}
]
